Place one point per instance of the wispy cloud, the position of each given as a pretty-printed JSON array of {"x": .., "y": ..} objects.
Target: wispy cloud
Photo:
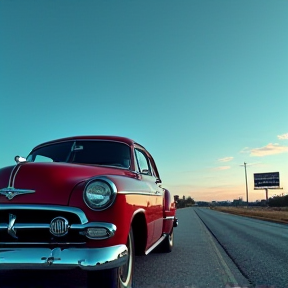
[
  {"x": 226, "y": 159},
  {"x": 257, "y": 164},
  {"x": 222, "y": 168},
  {"x": 283, "y": 136},
  {"x": 269, "y": 149},
  {"x": 245, "y": 150}
]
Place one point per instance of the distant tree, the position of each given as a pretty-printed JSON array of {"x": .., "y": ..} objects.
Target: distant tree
[
  {"x": 185, "y": 202},
  {"x": 189, "y": 201},
  {"x": 180, "y": 203},
  {"x": 203, "y": 204},
  {"x": 278, "y": 201}
]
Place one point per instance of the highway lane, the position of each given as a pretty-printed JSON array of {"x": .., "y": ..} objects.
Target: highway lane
[
  {"x": 197, "y": 261},
  {"x": 258, "y": 248}
]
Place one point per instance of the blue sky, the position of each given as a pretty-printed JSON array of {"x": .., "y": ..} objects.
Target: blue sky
[{"x": 201, "y": 84}]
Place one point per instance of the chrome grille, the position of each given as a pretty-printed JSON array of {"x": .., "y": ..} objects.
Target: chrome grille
[
  {"x": 40, "y": 225},
  {"x": 37, "y": 216}
]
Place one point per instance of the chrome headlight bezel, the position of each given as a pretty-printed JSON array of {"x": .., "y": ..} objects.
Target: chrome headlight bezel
[{"x": 100, "y": 181}]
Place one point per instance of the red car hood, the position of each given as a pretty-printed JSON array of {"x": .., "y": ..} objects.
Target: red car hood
[{"x": 52, "y": 182}]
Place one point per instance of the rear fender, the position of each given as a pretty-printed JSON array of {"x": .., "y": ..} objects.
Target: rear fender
[{"x": 169, "y": 210}]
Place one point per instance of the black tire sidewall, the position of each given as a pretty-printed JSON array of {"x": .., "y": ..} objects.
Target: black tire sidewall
[{"x": 110, "y": 278}]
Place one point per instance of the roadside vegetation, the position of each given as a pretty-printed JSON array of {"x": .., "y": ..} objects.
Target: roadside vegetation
[
  {"x": 278, "y": 201},
  {"x": 184, "y": 202},
  {"x": 276, "y": 209},
  {"x": 275, "y": 214}
]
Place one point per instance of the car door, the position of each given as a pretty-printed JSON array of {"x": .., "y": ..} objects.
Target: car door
[{"x": 154, "y": 212}]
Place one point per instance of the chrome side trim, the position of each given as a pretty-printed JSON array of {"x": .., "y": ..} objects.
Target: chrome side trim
[
  {"x": 140, "y": 193},
  {"x": 155, "y": 244},
  {"x": 169, "y": 218},
  {"x": 74, "y": 210},
  {"x": 57, "y": 258}
]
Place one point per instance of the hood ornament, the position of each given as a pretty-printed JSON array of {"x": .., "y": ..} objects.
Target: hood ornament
[
  {"x": 19, "y": 159},
  {"x": 11, "y": 192}
]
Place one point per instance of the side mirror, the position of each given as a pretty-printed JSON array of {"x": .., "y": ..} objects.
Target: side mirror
[
  {"x": 158, "y": 181},
  {"x": 19, "y": 159}
]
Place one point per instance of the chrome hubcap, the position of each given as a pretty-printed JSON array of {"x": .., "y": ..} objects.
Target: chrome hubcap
[
  {"x": 126, "y": 270},
  {"x": 171, "y": 239}
]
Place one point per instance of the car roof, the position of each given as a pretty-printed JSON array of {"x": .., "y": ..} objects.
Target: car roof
[{"x": 125, "y": 140}]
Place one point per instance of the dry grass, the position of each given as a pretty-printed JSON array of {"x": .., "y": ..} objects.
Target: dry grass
[{"x": 274, "y": 214}]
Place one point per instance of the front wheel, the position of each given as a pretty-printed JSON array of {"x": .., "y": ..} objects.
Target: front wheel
[{"x": 121, "y": 277}]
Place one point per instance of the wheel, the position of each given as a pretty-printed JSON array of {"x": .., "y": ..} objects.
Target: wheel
[
  {"x": 167, "y": 244},
  {"x": 121, "y": 277},
  {"x": 125, "y": 272}
]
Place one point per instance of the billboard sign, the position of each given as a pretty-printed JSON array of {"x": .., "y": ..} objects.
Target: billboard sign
[{"x": 266, "y": 180}]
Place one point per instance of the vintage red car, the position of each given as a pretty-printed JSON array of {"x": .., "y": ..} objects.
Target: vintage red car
[{"x": 89, "y": 202}]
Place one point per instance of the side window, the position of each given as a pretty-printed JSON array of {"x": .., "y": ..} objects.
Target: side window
[{"x": 143, "y": 163}]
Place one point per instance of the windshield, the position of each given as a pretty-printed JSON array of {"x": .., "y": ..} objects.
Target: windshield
[{"x": 85, "y": 152}]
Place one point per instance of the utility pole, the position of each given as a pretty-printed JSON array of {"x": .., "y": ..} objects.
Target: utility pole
[{"x": 246, "y": 183}]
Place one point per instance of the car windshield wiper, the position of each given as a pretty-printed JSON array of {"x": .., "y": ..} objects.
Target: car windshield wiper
[{"x": 70, "y": 153}]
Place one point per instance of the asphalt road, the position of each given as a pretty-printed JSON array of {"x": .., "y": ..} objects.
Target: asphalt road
[
  {"x": 212, "y": 249},
  {"x": 258, "y": 248}
]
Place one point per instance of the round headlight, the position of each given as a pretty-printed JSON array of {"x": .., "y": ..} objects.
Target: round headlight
[{"x": 99, "y": 194}]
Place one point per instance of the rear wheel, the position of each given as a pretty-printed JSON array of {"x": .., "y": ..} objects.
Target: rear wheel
[
  {"x": 167, "y": 244},
  {"x": 121, "y": 277}
]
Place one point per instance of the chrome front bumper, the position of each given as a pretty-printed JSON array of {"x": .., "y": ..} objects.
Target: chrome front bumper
[{"x": 46, "y": 258}]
